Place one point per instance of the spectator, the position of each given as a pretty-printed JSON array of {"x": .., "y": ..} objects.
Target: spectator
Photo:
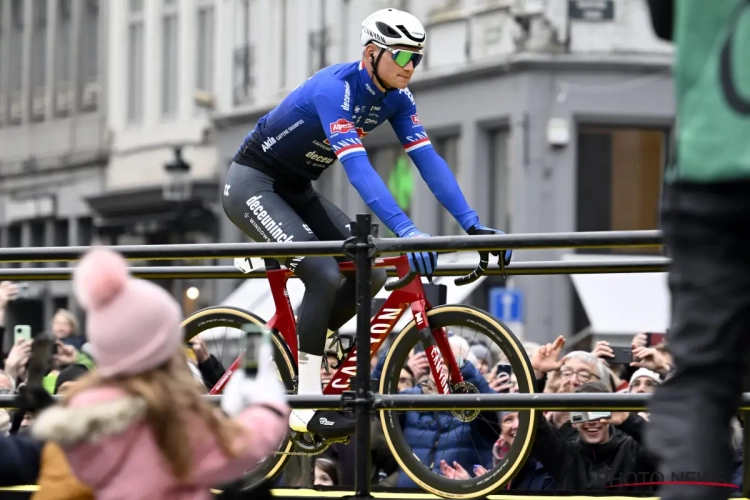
[
  {"x": 439, "y": 436},
  {"x": 56, "y": 479},
  {"x": 326, "y": 472},
  {"x": 211, "y": 369},
  {"x": 644, "y": 381},
  {"x": 484, "y": 358},
  {"x": 19, "y": 460},
  {"x": 134, "y": 426},
  {"x": 65, "y": 329},
  {"x": 606, "y": 453},
  {"x": 531, "y": 476}
]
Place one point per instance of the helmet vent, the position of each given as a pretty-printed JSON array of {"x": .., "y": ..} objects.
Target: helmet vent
[{"x": 387, "y": 30}]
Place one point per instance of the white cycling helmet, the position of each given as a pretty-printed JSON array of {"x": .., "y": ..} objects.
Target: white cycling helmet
[{"x": 393, "y": 27}]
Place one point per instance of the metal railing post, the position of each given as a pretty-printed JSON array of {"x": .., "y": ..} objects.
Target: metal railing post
[
  {"x": 746, "y": 454},
  {"x": 363, "y": 400}
]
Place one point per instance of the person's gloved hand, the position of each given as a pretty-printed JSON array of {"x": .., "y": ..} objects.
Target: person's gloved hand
[
  {"x": 423, "y": 263},
  {"x": 479, "y": 229},
  {"x": 265, "y": 388}
]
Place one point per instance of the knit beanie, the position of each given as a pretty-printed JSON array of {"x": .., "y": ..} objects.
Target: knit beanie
[
  {"x": 70, "y": 374},
  {"x": 133, "y": 325},
  {"x": 645, "y": 372}
]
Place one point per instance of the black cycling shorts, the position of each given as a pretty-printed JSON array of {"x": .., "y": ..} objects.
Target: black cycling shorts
[{"x": 276, "y": 211}]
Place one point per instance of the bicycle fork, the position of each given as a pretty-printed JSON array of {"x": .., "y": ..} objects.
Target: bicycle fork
[{"x": 443, "y": 366}]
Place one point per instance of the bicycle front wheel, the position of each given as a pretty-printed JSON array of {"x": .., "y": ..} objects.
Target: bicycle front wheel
[
  {"x": 458, "y": 320},
  {"x": 221, "y": 326}
]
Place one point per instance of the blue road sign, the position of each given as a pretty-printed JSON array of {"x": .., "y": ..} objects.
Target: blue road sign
[{"x": 507, "y": 304}]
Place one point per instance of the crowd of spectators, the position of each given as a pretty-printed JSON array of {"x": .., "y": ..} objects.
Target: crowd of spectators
[{"x": 591, "y": 457}]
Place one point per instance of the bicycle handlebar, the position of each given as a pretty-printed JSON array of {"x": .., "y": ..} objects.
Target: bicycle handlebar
[{"x": 481, "y": 269}]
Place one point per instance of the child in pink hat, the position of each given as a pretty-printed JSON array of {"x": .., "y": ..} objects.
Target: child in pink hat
[{"x": 137, "y": 426}]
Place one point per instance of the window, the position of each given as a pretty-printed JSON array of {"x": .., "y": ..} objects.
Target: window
[
  {"x": 169, "y": 59},
  {"x": 63, "y": 58},
  {"x": 16, "y": 59},
  {"x": 243, "y": 62},
  {"x": 135, "y": 61},
  {"x": 619, "y": 179},
  {"x": 447, "y": 148},
  {"x": 498, "y": 185},
  {"x": 397, "y": 171},
  {"x": 90, "y": 55},
  {"x": 39, "y": 47},
  {"x": 204, "y": 78}
]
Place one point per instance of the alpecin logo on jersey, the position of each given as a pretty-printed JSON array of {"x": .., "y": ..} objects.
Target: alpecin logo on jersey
[
  {"x": 360, "y": 133},
  {"x": 341, "y": 126}
]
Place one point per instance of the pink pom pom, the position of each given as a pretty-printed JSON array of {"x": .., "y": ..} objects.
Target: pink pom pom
[{"x": 99, "y": 277}]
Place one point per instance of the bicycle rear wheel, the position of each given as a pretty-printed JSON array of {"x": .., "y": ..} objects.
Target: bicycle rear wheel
[
  {"x": 230, "y": 317},
  {"x": 455, "y": 317}
]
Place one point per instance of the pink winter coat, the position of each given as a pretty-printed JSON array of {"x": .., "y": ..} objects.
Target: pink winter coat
[{"x": 110, "y": 447}]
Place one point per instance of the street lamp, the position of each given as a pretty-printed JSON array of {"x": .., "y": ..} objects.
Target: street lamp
[{"x": 177, "y": 187}]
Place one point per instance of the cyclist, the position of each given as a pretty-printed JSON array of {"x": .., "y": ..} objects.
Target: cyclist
[{"x": 268, "y": 191}]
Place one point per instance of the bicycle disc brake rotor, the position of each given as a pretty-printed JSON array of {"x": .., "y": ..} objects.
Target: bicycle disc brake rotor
[{"x": 465, "y": 388}]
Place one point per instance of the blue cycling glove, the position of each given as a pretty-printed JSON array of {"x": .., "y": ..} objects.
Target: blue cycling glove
[
  {"x": 423, "y": 263},
  {"x": 479, "y": 229}
]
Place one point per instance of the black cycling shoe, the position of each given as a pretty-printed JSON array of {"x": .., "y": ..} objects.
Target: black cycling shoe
[{"x": 329, "y": 424}]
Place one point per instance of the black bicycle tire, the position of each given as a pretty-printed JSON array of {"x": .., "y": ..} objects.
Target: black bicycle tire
[
  {"x": 218, "y": 316},
  {"x": 499, "y": 476}
]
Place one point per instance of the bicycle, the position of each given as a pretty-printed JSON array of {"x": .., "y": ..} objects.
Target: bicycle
[{"x": 428, "y": 326}]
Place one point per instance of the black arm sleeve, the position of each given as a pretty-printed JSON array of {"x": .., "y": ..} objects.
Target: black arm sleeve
[{"x": 662, "y": 18}]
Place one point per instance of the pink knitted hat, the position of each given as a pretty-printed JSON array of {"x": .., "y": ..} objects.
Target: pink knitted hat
[{"x": 132, "y": 325}]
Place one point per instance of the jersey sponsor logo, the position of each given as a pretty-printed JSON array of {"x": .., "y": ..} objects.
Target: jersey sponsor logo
[
  {"x": 341, "y": 126},
  {"x": 289, "y": 129},
  {"x": 375, "y": 108},
  {"x": 323, "y": 145},
  {"x": 360, "y": 133},
  {"x": 415, "y": 119},
  {"x": 319, "y": 158},
  {"x": 408, "y": 94},
  {"x": 270, "y": 141},
  {"x": 368, "y": 121},
  {"x": 356, "y": 109},
  {"x": 264, "y": 223},
  {"x": 347, "y": 97},
  {"x": 226, "y": 189},
  {"x": 369, "y": 89}
]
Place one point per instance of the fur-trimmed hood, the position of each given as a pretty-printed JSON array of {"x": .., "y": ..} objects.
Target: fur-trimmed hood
[
  {"x": 110, "y": 446},
  {"x": 68, "y": 426}
]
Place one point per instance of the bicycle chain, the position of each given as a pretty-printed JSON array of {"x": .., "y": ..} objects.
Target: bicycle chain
[{"x": 303, "y": 453}]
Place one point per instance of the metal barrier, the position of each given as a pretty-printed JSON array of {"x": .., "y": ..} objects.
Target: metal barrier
[
  {"x": 362, "y": 247},
  {"x": 613, "y": 266}
]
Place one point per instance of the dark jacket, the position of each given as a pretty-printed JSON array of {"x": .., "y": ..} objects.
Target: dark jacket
[
  {"x": 435, "y": 436},
  {"x": 579, "y": 466},
  {"x": 532, "y": 477},
  {"x": 19, "y": 460}
]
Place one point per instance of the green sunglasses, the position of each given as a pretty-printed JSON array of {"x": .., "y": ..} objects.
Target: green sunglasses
[{"x": 402, "y": 57}]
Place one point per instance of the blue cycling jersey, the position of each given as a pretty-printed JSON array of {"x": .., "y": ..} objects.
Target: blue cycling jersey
[{"x": 324, "y": 119}]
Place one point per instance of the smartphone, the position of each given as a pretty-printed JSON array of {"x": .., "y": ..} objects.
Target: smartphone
[
  {"x": 21, "y": 332},
  {"x": 23, "y": 290},
  {"x": 654, "y": 339},
  {"x": 418, "y": 348},
  {"x": 503, "y": 368},
  {"x": 579, "y": 417},
  {"x": 623, "y": 356}
]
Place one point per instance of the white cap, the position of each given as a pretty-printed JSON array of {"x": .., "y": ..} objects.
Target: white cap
[
  {"x": 393, "y": 27},
  {"x": 645, "y": 372}
]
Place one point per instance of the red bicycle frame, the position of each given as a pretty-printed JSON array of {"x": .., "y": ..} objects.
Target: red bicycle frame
[{"x": 412, "y": 295}]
